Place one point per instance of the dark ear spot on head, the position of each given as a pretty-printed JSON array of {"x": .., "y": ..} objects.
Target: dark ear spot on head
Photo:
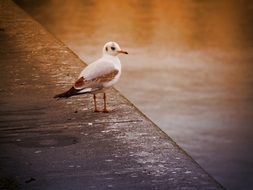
[{"x": 106, "y": 48}]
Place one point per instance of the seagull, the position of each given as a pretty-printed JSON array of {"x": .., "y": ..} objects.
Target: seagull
[{"x": 98, "y": 76}]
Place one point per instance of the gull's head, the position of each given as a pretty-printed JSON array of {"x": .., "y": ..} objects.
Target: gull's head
[{"x": 113, "y": 49}]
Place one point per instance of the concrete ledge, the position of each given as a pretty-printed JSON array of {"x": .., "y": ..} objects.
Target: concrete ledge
[{"x": 48, "y": 144}]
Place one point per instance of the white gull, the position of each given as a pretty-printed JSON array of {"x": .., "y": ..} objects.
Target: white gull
[{"x": 98, "y": 76}]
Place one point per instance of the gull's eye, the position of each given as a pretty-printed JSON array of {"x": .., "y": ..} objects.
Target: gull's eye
[{"x": 113, "y": 48}]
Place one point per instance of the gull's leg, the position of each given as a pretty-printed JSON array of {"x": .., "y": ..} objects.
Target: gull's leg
[
  {"x": 95, "y": 103},
  {"x": 105, "y": 109}
]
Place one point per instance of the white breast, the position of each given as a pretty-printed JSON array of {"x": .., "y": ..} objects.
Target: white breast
[{"x": 117, "y": 66}]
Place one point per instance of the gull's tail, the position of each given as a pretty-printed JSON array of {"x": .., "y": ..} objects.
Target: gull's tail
[{"x": 71, "y": 92}]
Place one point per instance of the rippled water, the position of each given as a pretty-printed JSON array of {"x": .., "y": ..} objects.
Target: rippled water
[{"x": 190, "y": 69}]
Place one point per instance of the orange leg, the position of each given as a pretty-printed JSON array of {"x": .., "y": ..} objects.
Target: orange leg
[
  {"x": 105, "y": 109},
  {"x": 95, "y": 103}
]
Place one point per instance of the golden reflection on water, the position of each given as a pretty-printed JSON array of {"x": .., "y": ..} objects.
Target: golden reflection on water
[
  {"x": 174, "y": 24},
  {"x": 195, "y": 57}
]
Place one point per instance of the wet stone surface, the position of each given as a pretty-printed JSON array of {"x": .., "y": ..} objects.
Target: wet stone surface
[{"x": 49, "y": 144}]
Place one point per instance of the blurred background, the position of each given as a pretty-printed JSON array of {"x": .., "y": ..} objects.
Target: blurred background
[{"x": 189, "y": 69}]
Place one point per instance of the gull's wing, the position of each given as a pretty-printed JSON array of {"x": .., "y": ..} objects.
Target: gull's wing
[{"x": 95, "y": 74}]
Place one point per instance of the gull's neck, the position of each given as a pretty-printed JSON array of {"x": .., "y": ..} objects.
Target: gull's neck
[
  {"x": 114, "y": 59},
  {"x": 107, "y": 56}
]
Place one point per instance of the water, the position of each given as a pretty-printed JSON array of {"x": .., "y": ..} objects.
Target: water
[{"x": 189, "y": 69}]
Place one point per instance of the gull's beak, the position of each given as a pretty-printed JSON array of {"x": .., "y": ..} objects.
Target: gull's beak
[{"x": 121, "y": 51}]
